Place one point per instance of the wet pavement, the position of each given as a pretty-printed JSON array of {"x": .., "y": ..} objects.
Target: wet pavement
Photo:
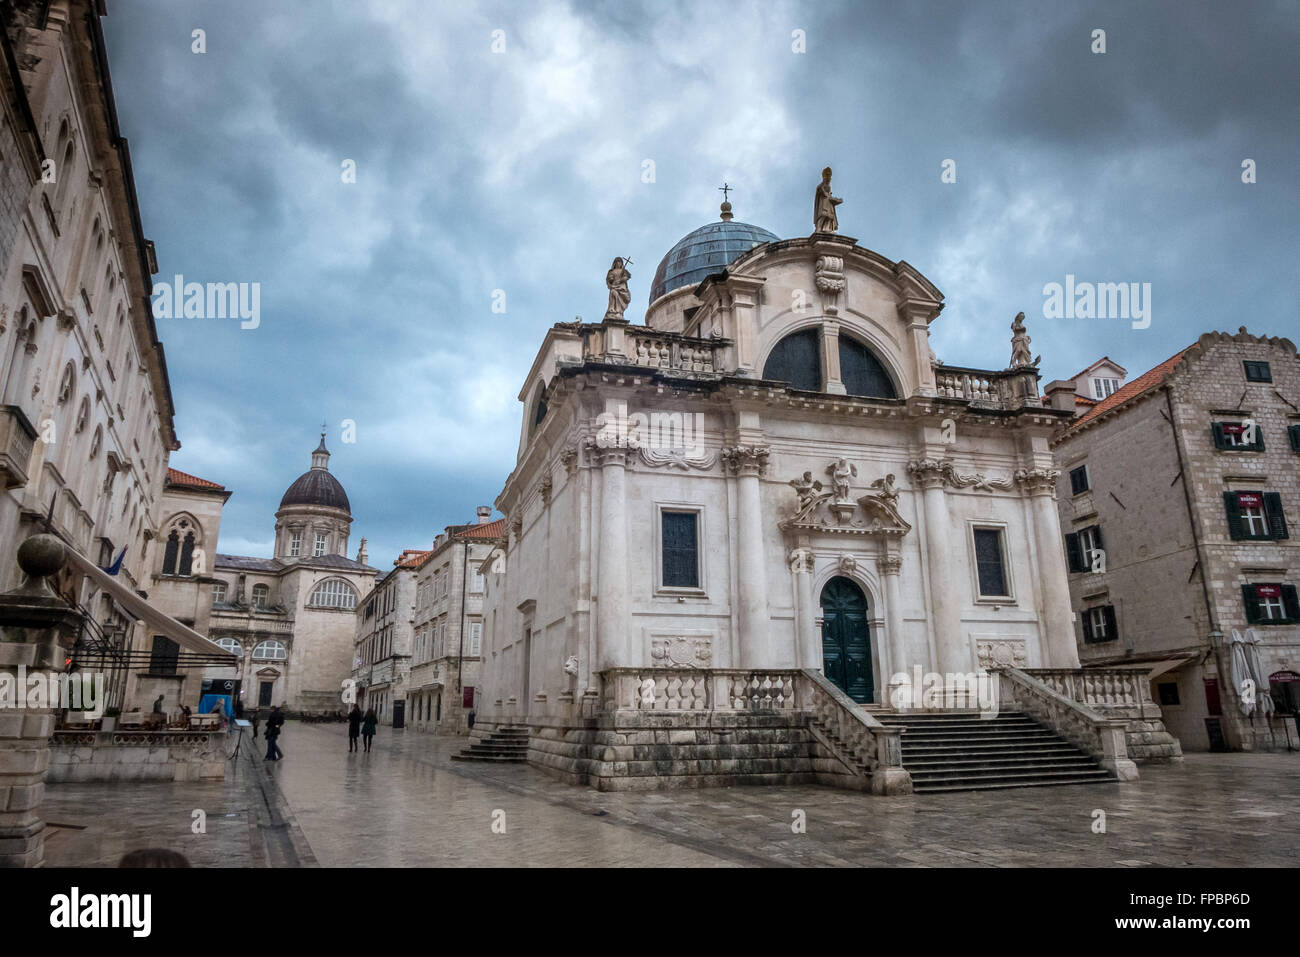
[{"x": 407, "y": 804}]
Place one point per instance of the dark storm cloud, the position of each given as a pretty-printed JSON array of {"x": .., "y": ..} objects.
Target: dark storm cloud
[{"x": 522, "y": 172}]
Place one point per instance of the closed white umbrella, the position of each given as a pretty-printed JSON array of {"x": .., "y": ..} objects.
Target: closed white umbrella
[
  {"x": 1243, "y": 681},
  {"x": 1262, "y": 696}
]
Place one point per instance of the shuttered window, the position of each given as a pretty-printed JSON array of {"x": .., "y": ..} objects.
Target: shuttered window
[
  {"x": 1079, "y": 480},
  {"x": 1099, "y": 624},
  {"x": 1233, "y": 436},
  {"x": 989, "y": 564},
  {"x": 1294, "y": 432},
  {"x": 1271, "y": 603},
  {"x": 1257, "y": 371},
  {"x": 680, "y": 544},
  {"x": 1255, "y": 516},
  {"x": 1080, "y": 548}
]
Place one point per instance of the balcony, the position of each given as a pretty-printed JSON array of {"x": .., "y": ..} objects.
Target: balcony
[{"x": 17, "y": 438}]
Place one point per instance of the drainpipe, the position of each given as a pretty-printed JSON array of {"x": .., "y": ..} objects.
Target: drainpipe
[
  {"x": 460, "y": 656},
  {"x": 1215, "y": 636}
]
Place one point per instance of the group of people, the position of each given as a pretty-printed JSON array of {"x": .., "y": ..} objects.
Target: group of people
[{"x": 363, "y": 726}]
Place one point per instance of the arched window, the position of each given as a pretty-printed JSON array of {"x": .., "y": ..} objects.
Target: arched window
[
  {"x": 231, "y": 645},
  {"x": 862, "y": 373},
  {"x": 187, "y": 554},
  {"x": 97, "y": 441},
  {"x": 83, "y": 415},
  {"x": 333, "y": 593},
  {"x": 68, "y": 383},
  {"x": 271, "y": 650},
  {"x": 169, "y": 554},
  {"x": 539, "y": 409},
  {"x": 797, "y": 360},
  {"x": 261, "y": 596}
]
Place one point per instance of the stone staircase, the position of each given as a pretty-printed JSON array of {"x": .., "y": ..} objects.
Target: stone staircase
[
  {"x": 960, "y": 751},
  {"x": 504, "y": 745}
]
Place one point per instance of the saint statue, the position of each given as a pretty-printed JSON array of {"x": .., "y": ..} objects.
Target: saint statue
[
  {"x": 841, "y": 472},
  {"x": 824, "y": 218},
  {"x": 616, "y": 279},
  {"x": 1020, "y": 355}
]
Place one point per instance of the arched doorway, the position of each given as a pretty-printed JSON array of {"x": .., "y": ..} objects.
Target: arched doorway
[{"x": 846, "y": 640}]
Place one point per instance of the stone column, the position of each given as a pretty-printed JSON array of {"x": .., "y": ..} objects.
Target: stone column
[
  {"x": 614, "y": 646},
  {"x": 36, "y": 628},
  {"x": 747, "y": 462},
  {"x": 809, "y": 652},
  {"x": 942, "y": 593},
  {"x": 889, "y": 567},
  {"x": 1054, "y": 583}
]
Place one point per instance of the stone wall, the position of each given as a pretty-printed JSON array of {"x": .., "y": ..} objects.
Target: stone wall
[{"x": 138, "y": 756}]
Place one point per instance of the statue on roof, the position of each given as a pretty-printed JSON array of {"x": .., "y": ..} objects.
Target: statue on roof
[
  {"x": 619, "y": 298},
  {"x": 1020, "y": 345},
  {"x": 825, "y": 219}
]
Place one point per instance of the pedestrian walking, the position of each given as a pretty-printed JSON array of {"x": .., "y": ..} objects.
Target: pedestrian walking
[
  {"x": 368, "y": 725},
  {"x": 257, "y": 717},
  {"x": 273, "y": 725},
  {"x": 354, "y": 727}
]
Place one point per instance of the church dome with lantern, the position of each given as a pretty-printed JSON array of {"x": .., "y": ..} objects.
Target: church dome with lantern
[{"x": 704, "y": 251}]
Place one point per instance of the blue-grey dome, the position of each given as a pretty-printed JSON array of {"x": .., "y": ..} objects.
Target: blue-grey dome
[{"x": 707, "y": 250}]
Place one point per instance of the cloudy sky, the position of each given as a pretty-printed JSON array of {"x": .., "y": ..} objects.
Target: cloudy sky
[{"x": 522, "y": 170}]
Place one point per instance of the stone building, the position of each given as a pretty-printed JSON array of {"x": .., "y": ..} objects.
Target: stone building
[
  {"x": 86, "y": 413},
  {"x": 448, "y": 645},
  {"x": 289, "y": 619},
  {"x": 384, "y": 633},
  {"x": 771, "y": 497},
  {"x": 1174, "y": 496}
]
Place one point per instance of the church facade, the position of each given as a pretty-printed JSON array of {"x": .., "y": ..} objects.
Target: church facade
[{"x": 772, "y": 479}]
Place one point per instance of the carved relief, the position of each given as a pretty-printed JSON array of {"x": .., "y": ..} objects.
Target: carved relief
[
  {"x": 848, "y": 564},
  {"x": 829, "y": 277},
  {"x": 931, "y": 473},
  {"x": 1038, "y": 480},
  {"x": 677, "y": 458},
  {"x": 678, "y": 652},
  {"x": 746, "y": 459},
  {"x": 1001, "y": 653},
  {"x": 569, "y": 459}
]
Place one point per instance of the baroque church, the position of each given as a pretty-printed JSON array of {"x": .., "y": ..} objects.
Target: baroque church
[
  {"x": 289, "y": 619},
  {"x": 769, "y": 496}
]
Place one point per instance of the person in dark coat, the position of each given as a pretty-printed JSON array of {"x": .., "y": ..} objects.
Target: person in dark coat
[
  {"x": 368, "y": 725},
  {"x": 354, "y": 727},
  {"x": 257, "y": 717},
  {"x": 273, "y": 725}
]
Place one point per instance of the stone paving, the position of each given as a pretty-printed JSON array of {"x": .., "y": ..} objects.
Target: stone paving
[{"x": 406, "y": 804}]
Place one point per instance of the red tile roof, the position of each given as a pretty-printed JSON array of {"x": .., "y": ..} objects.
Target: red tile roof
[
  {"x": 177, "y": 477},
  {"x": 411, "y": 558},
  {"x": 487, "y": 530},
  {"x": 1143, "y": 383}
]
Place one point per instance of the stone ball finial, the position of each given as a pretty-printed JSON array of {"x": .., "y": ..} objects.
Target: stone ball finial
[{"x": 41, "y": 556}]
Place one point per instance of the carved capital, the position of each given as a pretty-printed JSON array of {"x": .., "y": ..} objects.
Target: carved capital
[
  {"x": 544, "y": 488},
  {"x": 601, "y": 455},
  {"x": 746, "y": 459},
  {"x": 1038, "y": 481},
  {"x": 569, "y": 459},
  {"x": 927, "y": 473},
  {"x": 889, "y": 564}
]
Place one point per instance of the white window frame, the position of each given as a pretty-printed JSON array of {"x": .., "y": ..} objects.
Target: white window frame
[
  {"x": 1252, "y": 514},
  {"x": 318, "y": 548},
  {"x": 1267, "y": 605},
  {"x": 280, "y": 646},
  {"x": 475, "y": 638},
  {"x": 265, "y": 592},
  {"x": 1087, "y": 546},
  {"x": 295, "y": 542},
  {"x": 657, "y": 533},
  {"x": 1097, "y": 616},
  {"x": 972, "y": 561}
]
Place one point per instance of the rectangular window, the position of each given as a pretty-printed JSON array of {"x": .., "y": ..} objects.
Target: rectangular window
[
  {"x": 1258, "y": 371},
  {"x": 1099, "y": 624},
  {"x": 319, "y": 549},
  {"x": 1079, "y": 480},
  {"x": 1294, "y": 432},
  {"x": 1255, "y": 515},
  {"x": 1084, "y": 550},
  {"x": 1271, "y": 603},
  {"x": 477, "y": 581},
  {"x": 475, "y": 638},
  {"x": 681, "y": 554},
  {"x": 295, "y": 543},
  {"x": 989, "y": 564},
  {"x": 1244, "y": 436},
  {"x": 219, "y": 593},
  {"x": 1168, "y": 692},
  {"x": 163, "y": 656}
]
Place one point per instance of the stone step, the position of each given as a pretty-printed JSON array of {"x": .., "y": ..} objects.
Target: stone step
[
  {"x": 1001, "y": 762},
  {"x": 943, "y": 751},
  {"x": 1010, "y": 774},
  {"x": 1002, "y": 785},
  {"x": 501, "y": 758}
]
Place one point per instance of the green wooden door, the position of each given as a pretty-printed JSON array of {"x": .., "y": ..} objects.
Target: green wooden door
[{"x": 846, "y": 640}]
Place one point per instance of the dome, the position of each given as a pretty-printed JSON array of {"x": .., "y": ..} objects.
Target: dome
[
  {"x": 707, "y": 250},
  {"x": 316, "y": 486}
]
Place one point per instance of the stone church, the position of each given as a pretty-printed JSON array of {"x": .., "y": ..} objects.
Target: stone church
[{"x": 771, "y": 497}]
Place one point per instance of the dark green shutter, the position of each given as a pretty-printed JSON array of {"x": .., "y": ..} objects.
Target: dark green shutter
[
  {"x": 1073, "y": 553},
  {"x": 1219, "y": 441},
  {"x": 1259, "y": 438},
  {"x": 1096, "y": 536},
  {"x": 680, "y": 544},
  {"x": 1112, "y": 632},
  {"x": 1290, "y": 604},
  {"x": 1274, "y": 515},
  {"x": 1087, "y": 626},
  {"x": 1251, "y": 601},
  {"x": 1233, "y": 506},
  {"x": 1294, "y": 432}
]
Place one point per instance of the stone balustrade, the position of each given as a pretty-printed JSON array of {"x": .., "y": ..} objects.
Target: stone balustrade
[
  {"x": 870, "y": 747},
  {"x": 1103, "y": 737},
  {"x": 648, "y": 349},
  {"x": 140, "y": 755},
  {"x": 1003, "y": 390},
  {"x": 1108, "y": 690},
  {"x": 692, "y": 689}
]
